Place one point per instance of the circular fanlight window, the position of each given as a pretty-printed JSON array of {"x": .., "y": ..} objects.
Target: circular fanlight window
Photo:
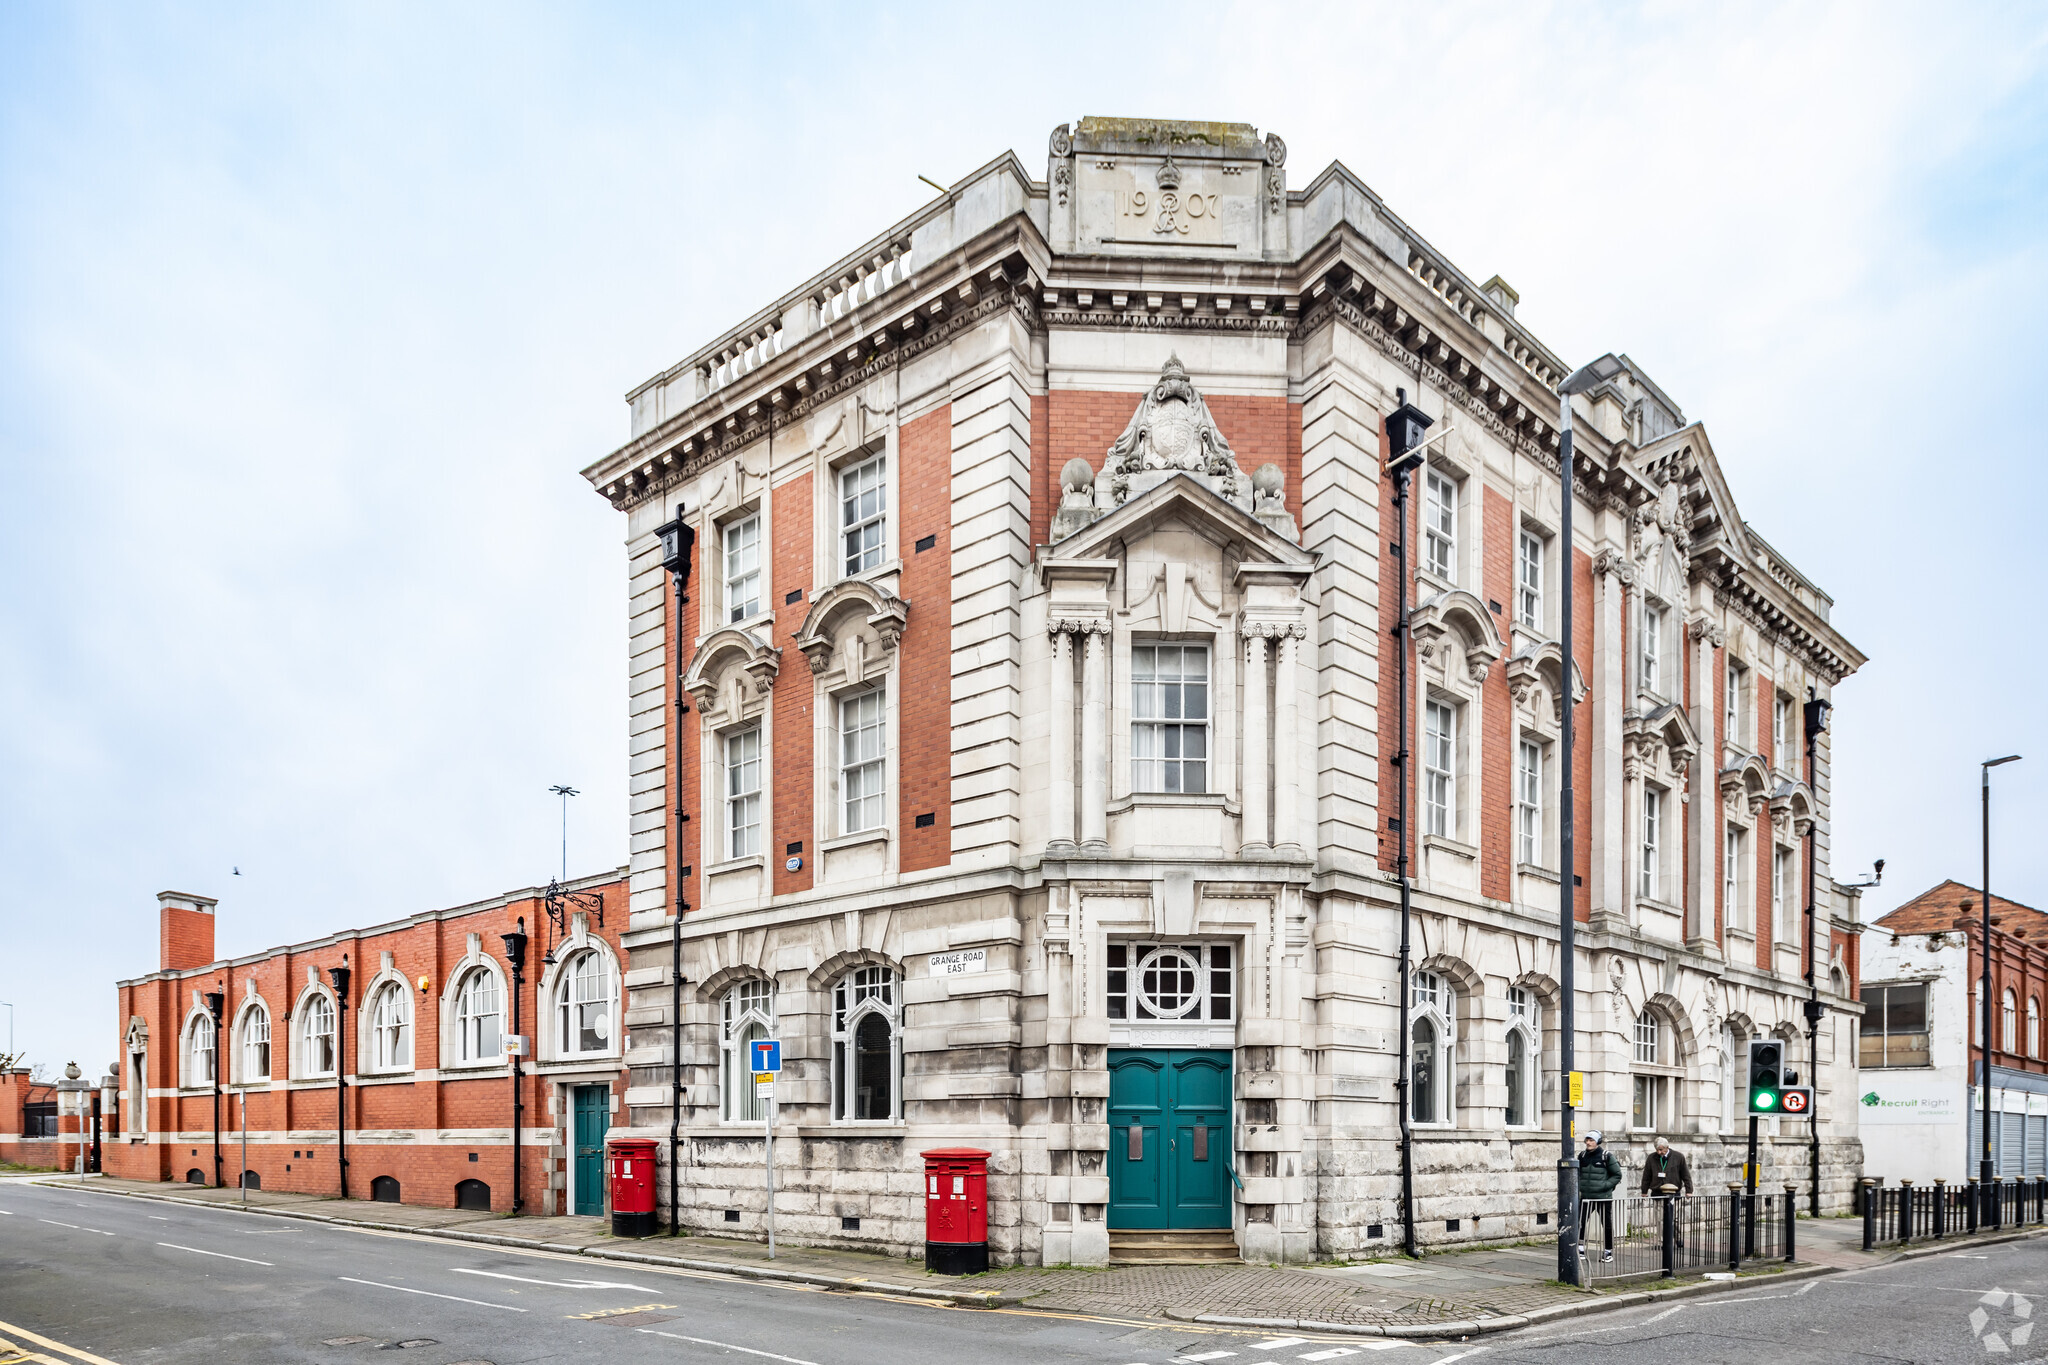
[{"x": 1169, "y": 983}]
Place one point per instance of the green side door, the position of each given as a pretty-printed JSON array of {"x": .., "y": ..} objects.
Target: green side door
[
  {"x": 1169, "y": 1139},
  {"x": 592, "y": 1118}
]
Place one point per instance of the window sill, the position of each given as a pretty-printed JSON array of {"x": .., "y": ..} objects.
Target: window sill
[
  {"x": 311, "y": 1082},
  {"x": 405, "y": 1077},
  {"x": 753, "y": 860},
  {"x": 1661, "y": 907},
  {"x": 1449, "y": 845},
  {"x": 1655, "y": 1069},
  {"x": 756, "y": 625},
  {"x": 1746, "y": 935},
  {"x": 495, "y": 1066},
  {"x": 580, "y": 1062},
  {"x": 866, "y": 836},
  {"x": 1181, "y": 800},
  {"x": 891, "y": 1128},
  {"x": 1539, "y": 872}
]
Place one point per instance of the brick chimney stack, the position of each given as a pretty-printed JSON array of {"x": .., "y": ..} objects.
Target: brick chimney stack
[{"x": 187, "y": 923}]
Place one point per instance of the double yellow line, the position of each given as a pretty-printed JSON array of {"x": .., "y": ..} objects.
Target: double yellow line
[{"x": 10, "y": 1353}]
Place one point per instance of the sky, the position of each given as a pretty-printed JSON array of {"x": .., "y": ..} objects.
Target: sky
[{"x": 310, "y": 314}]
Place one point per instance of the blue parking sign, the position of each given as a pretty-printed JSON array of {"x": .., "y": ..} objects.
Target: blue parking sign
[{"x": 767, "y": 1057}]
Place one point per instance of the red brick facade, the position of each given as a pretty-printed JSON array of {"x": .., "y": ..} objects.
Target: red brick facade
[
  {"x": 790, "y": 570},
  {"x": 1496, "y": 757},
  {"x": 429, "y": 1125},
  {"x": 925, "y": 773}
]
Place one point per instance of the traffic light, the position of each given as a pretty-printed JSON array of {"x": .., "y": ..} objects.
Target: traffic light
[{"x": 1766, "y": 1075}]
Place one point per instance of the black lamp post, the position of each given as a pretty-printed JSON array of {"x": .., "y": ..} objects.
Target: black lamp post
[
  {"x": 216, "y": 1001},
  {"x": 1405, "y": 425},
  {"x": 677, "y": 542},
  {"x": 515, "y": 953},
  {"x": 1816, "y": 717},
  {"x": 1984, "y": 1169},
  {"x": 339, "y": 976},
  {"x": 1582, "y": 380}
]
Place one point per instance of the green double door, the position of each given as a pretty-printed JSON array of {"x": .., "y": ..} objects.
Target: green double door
[
  {"x": 591, "y": 1117},
  {"x": 1169, "y": 1138}
]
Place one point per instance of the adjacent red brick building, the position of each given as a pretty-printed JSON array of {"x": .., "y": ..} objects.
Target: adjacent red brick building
[{"x": 409, "y": 1046}]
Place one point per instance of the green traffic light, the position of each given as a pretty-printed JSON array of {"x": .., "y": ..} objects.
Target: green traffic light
[{"x": 1763, "y": 1099}]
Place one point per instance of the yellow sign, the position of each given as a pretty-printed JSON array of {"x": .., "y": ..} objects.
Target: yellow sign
[
  {"x": 764, "y": 1078},
  {"x": 1577, "y": 1090}
]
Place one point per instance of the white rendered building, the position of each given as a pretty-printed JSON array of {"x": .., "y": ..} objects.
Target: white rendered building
[{"x": 1034, "y": 713}]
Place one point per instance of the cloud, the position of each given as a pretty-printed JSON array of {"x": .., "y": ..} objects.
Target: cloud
[{"x": 309, "y": 317}]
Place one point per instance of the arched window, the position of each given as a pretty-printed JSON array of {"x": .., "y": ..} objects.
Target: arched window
[
  {"x": 2010, "y": 1016},
  {"x": 746, "y": 1014},
  {"x": 199, "y": 1051},
  {"x": 391, "y": 1028},
  {"x": 1523, "y": 1053},
  {"x": 316, "y": 1037},
  {"x": 1431, "y": 1036},
  {"x": 583, "y": 1005},
  {"x": 2033, "y": 1027},
  {"x": 1652, "y": 1092},
  {"x": 256, "y": 1043},
  {"x": 479, "y": 1015},
  {"x": 867, "y": 1054}
]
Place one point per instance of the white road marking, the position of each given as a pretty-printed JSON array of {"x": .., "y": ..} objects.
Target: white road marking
[
  {"x": 1207, "y": 1355},
  {"x": 1330, "y": 1354},
  {"x": 1805, "y": 1288},
  {"x": 1446, "y": 1360},
  {"x": 1663, "y": 1315},
  {"x": 590, "y": 1284},
  {"x": 1276, "y": 1343},
  {"x": 8, "y": 1212},
  {"x": 158, "y": 1218},
  {"x": 73, "y": 1226},
  {"x": 430, "y": 1294},
  {"x": 725, "y": 1346},
  {"x": 1389, "y": 1345},
  {"x": 200, "y": 1251}
]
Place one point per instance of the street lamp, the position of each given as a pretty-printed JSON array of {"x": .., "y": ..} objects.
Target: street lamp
[
  {"x": 1817, "y": 708},
  {"x": 216, "y": 1003},
  {"x": 565, "y": 792},
  {"x": 1984, "y": 1174},
  {"x": 1404, "y": 426},
  {"x": 515, "y": 1046},
  {"x": 1582, "y": 380},
  {"x": 678, "y": 541},
  {"x": 339, "y": 976}
]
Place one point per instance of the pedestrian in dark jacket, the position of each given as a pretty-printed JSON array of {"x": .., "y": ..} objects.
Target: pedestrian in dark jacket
[
  {"x": 1599, "y": 1178},
  {"x": 1666, "y": 1173},
  {"x": 1666, "y": 1176}
]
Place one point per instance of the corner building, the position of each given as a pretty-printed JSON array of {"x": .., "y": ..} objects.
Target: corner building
[{"x": 1033, "y": 711}]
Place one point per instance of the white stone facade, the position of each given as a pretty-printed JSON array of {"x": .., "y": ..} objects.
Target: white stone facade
[{"x": 1164, "y": 307}]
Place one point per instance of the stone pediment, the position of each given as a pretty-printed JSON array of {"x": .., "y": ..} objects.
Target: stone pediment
[
  {"x": 1170, "y": 435},
  {"x": 1179, "y": 501}
]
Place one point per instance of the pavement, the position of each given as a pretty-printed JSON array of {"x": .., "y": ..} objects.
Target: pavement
[
  {"x": 91, "y": 1279},
  {"x": 1446, "y": 1295}
]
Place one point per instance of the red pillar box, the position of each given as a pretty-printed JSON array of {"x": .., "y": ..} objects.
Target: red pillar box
[
  {"x": 632, "y": 1162},
  {"x": 956, "y": 1210}
]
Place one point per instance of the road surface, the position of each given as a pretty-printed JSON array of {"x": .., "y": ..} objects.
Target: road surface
[{"x": 87, "y": 1278}]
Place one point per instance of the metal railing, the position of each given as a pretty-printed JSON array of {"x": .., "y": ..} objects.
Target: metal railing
[
  {"x": 1896, "y": 1215},
  {"x": 1653, "y": 1237}
]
